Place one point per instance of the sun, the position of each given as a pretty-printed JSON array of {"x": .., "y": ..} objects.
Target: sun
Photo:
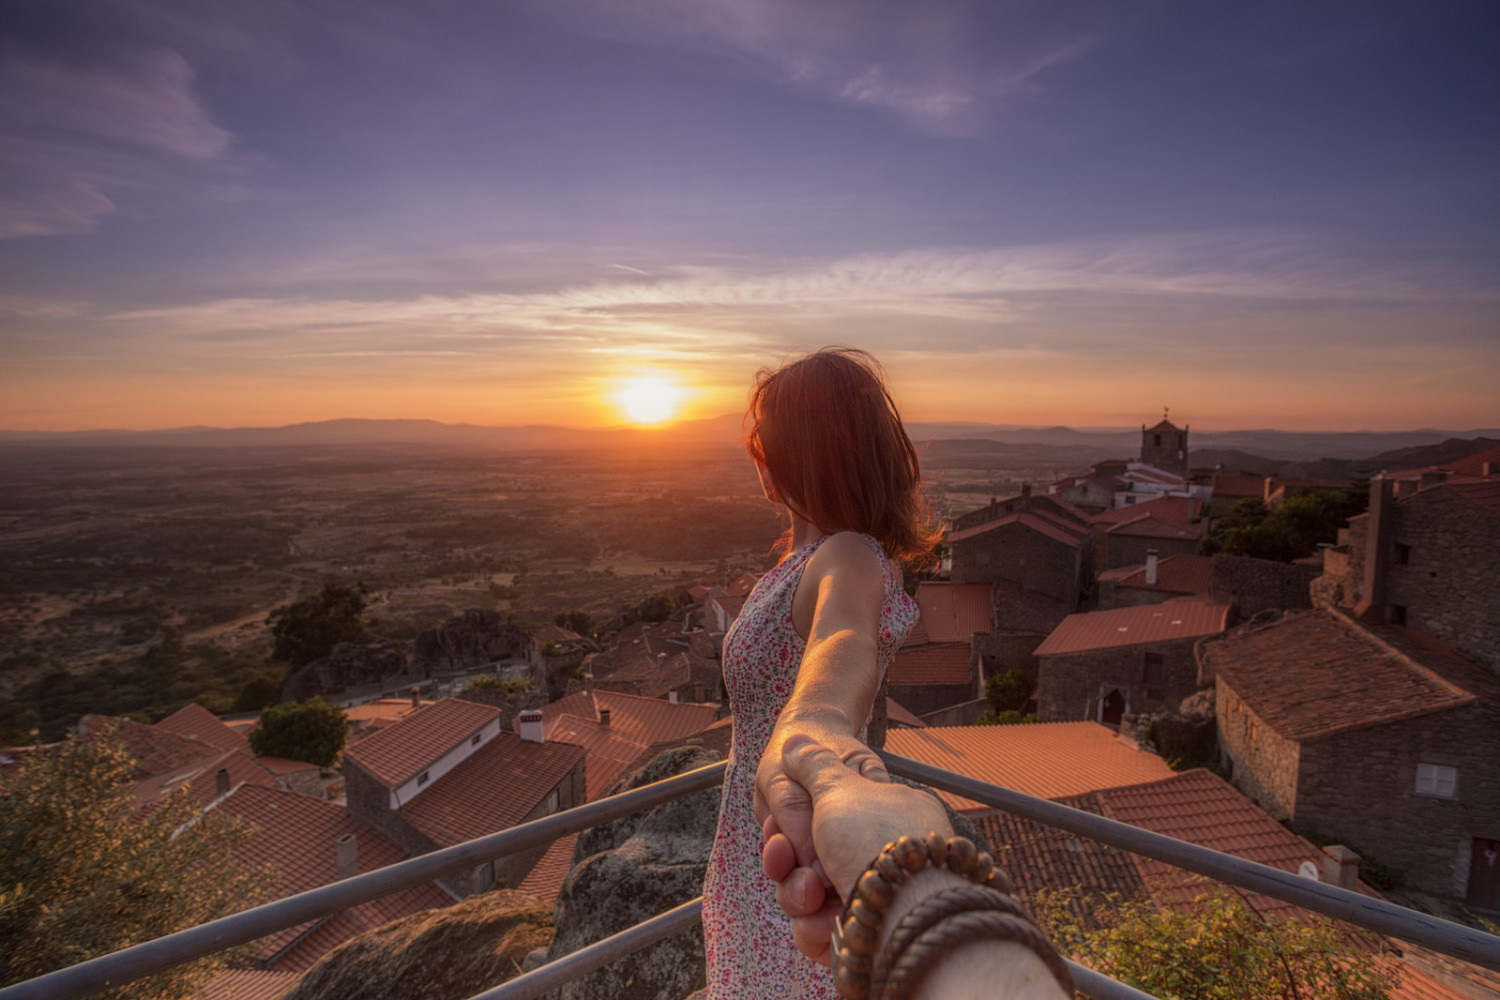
[{"x": 648, "y": 399}]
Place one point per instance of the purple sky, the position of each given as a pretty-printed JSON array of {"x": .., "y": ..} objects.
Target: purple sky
[{"x": 1275, "y": 214}]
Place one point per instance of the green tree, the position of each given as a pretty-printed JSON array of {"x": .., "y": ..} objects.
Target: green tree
[
  {"x": 307, "y": 630},
  {"x": 83, "y": 876},
  {"x": 574, "y": 621},
  {"x": 1217, "y": 948},
  {"x": 1008, "y": 691},
  {"x": 313, "y": 730},
  {"x": 1291, "y": 531},
  {"x": 257, "y": 693}
]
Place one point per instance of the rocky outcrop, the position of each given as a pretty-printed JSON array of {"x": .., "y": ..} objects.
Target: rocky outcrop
[
  {"x": 348, "y": 666},
  {"x": 473, "y": 639},
  {"x": 632, "y": 869},
  {"x": 447, "y": 954}
]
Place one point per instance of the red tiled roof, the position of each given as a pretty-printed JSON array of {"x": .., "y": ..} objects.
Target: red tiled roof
[
  {"x": 545, "y": 879},
  {"x": 1142, "y": 473},
  {"x": 1051, "y": 760},
  {"x": 490, "y": 790},
  {"x": 944, "y": 663},
  {"x": 297, "y": 834},
  {"x": 1173, "y": 510},
  {"x": 1486, "y": 493},
  {"x": 400, "y": 751},
  {"x": 609, "y": 750},
  {"x": 201, "y": 778},
  {"x": 645, "y": 720},
  {"x": 1178, "y": 574},
  {"x": 387, "y": 709},
  {"x": 555, "y": 633},
  {"x": 951, "y": 612},
  {"x": 741, "y": 585},
  {"x": 1317, "y": 672},
  {"x": 1150, "y": 526},
  {"x": 1201, "y": 808},
  {"x": 155, "y": 751},
  {"x": 1132, "y": 626},
  {"x": 248, "y": 984},
  {"x": 901, "y": 716},
  {"x": 1044, "y": 526},
  {"x": 1233, "y": 485},
  {"x": 198, "y": 723},
  {"x": 1164, "y": 425}
]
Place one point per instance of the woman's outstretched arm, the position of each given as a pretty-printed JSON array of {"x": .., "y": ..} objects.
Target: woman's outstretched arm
[{"x": 838, "y": 602}]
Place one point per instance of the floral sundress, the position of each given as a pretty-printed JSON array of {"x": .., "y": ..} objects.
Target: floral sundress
[{"x": 748, "y": 938}]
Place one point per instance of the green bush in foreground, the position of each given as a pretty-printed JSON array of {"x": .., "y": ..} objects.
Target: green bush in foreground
[{"x": 83, "y": 878}]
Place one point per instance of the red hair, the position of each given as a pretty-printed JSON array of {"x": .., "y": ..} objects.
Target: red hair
[{"x": 827, "y": 432}]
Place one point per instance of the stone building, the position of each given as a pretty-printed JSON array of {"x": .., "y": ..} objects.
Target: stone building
[
  {"x": 941, "y": 661},
  {"x": 1039, "y": 542},
  {"x": 1165, "y": 447},
  {"x": 448, "y": 773},
  {"x": 1156, "y": 582},
  {"x": 1382, "y": 738},
  {"x": 1101, "y": 665},
  {"x": 1426, "y": 559}
]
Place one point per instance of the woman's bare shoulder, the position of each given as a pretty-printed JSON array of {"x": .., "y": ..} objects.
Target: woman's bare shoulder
[{"x": 845, "y": 552}]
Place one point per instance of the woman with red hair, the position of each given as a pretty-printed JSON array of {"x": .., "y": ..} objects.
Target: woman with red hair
[{"x": 810, "y": 647}]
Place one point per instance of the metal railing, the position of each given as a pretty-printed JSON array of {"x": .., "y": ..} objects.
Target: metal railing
[{"x": 195, "y": 942}]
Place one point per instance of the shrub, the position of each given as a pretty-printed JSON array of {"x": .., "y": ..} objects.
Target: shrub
[{"x": 314, "y": 731}]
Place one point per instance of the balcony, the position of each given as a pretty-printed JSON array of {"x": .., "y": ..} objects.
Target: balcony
[{"x": 153, "y": 956}]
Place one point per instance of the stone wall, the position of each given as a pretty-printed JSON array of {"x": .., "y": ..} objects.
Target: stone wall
[
  {"x": 965, "y": 714},
  {"x": 1449, "y": 585},
  {"x": 369, "y": 802},
  {"x": 1360, "y": 788},
  {"x": 1070, "y": 685},
  {"x": 1007, "y": 651},
  {"x": 1261, "y": 764},
  {"x": 1130, "y": 550},
  {"x": 1256, "y": 585},
  {"x": 920, "y": 699},
  {"x": 1016, "y": 553}
]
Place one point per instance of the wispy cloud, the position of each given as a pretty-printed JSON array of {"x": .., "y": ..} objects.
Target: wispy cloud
[
  {"x": 921, "y": 62},
  {"x": 77, "y": 129}
]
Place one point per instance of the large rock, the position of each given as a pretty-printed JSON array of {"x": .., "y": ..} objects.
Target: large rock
[
  {"x": 474, "y": 639},
  {"x": 633, "y": 869},
  {"x": 348, "y": 665},
  {"x": 448, "y": 954}
]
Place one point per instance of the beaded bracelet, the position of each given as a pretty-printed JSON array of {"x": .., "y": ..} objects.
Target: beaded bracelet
[{"x": 928, "y": 931}]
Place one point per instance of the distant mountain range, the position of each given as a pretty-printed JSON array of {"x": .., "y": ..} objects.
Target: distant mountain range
[{"x": 1232, "y": 448}]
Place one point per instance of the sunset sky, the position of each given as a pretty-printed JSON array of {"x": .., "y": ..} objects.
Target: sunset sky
[{"x": 259, "y": 213}]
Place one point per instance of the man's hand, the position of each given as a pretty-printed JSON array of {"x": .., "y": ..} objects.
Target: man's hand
[{"x": 849, "y": 818}]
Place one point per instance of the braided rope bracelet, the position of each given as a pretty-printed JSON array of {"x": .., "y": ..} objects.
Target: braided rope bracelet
[{"x": 929, "y": 930}]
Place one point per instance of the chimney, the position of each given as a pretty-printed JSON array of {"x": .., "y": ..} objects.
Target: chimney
[
  {"x": 1433, "y": 479},
  {"x": 672, "y": 697},
  {"x": 1487, "y": 470},
  {"x": 416, "y": 697},
  {"x": 698, "y": 693},
  {"x": 1150, "y": 567},
  {"x": 347, "y": 850},
  {"x": 1377, "y": 546},
  {"x": 531, "y": 726},
  {"x": 603, "y": 716},
  {"x": 1341, "y": 867},
  {"x": 221, "y": 783},
  {"x": 1026, "y": 489},
  {"x": 588, "y": 683}
]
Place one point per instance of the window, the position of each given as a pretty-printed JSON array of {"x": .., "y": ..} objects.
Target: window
[
  {"x": 1156, "y": 440},
  {"x": 1403, "y": 554},
  {"x": 552, "y": 801},
  {"x": 475, "y": 741},
  {"x": 422, "y": 778},
  {"x": 1398, "y": 614},
  {"x": 1437, "y": 781}
]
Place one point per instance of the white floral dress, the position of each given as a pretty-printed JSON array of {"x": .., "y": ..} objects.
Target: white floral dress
[{"x": 748, "y": 938}]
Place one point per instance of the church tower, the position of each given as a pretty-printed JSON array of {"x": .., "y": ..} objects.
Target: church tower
[{"x": 1165, "y": 447}]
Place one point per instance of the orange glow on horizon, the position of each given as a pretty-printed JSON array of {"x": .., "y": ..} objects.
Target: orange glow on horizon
[{"x": 648, "y": 400}]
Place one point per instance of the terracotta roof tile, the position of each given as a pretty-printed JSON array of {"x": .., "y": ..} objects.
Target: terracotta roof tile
[
  {"x": 945, "y": 663},
  {"x": 555, "y": 633},
  {"x": 155, "y": 751},
  {"x": 901, "y": 716},
  {"x": 283, "y": 765},
  {"x": 951, "y": 612},
  {"x": 1317, "y": 672},
  {"x": 1485, "y": 493},
  {"x": 248, "y": 984},
  {"x": 297, "y": 835},
  {"x": 545, "y": 879},
  {"x": 201, "y": 778},
  {"x": 1044, "y": 526},
  {"x": 741, "y": 585},
  {"x": 1051, "y": 760},
  {"x": 1177, "y": 574},
  {"x": 490, "y": 790},
  {"x": 400, "y": 751},
  {"x": 645, "y": 720},
  {"x": 609, "y": 750},
  {"x": 1238, "y": 486},
  {"x": 1150, "y": 526},
  {"x": 1185, "y": 619},
  {"x": 1174, "y": 510},
  {"x": 198, "y": 723}
]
